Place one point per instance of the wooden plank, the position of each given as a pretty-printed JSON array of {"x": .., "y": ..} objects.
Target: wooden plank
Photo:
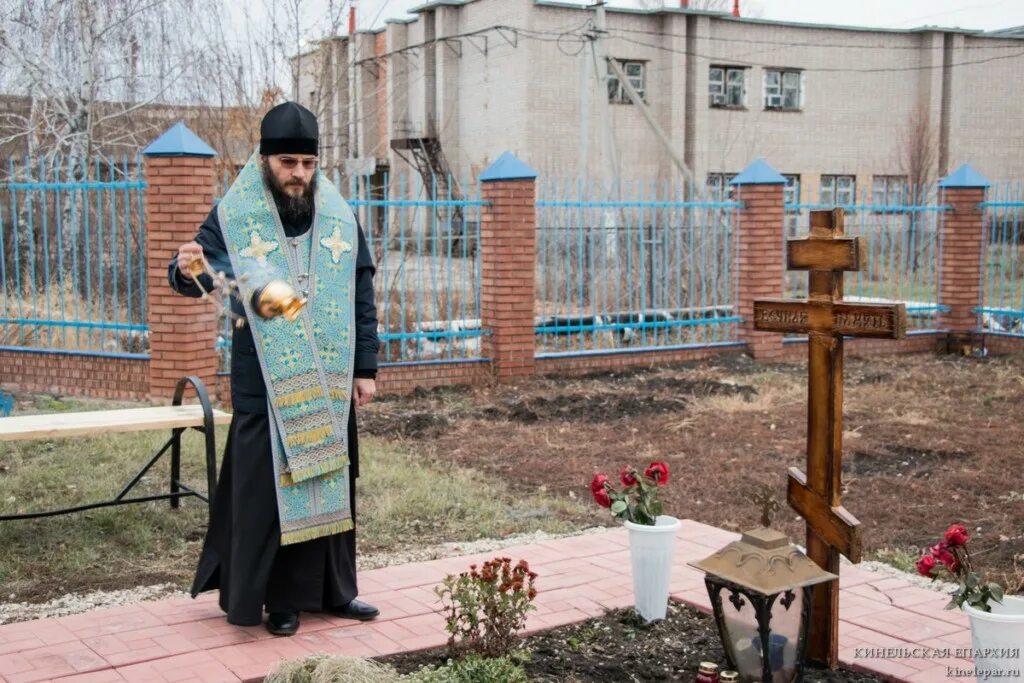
[
  {"x": 836, "y": 526},
  {"x": 781, "y": 315},
  {"x": 839, "y": 254},
  {"x": 875, "y": 321},
  {"x": 823, "y": 632},
  {"x": 64, "y": 425}
]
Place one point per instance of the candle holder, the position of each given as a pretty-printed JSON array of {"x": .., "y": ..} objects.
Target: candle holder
[{"x": 275, "y": 298}]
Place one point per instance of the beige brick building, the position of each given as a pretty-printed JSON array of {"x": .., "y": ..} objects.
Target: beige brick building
[{"x": 842, "y": 109}]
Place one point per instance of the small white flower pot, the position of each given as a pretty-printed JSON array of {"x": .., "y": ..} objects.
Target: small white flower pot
[
  {"x": 651, "y": 549},
  {"x": 998, "y": 640}
]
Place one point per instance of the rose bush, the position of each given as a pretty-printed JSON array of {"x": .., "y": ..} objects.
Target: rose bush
[
  {"x": 485, "y": 608},
  {"x": 638, "y": 501}
]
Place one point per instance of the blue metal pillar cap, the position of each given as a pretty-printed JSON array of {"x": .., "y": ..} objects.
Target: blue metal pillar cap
[
  {"x": 179, "y": 141},
  {"x": 759, "y": 172},
  {"x": 965, "y": 176},
  {"x": 508, "y": 167}
]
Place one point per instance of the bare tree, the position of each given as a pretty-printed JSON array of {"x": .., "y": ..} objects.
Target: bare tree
[
  {"x": 89, "y": 73},
  {"x": 83, "y": 64},
  {"x": 918, "y": 156}
]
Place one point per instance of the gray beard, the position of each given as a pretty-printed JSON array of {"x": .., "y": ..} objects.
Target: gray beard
[{"x": 295, "y": 211}]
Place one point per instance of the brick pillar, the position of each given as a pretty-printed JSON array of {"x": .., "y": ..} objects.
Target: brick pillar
[
  {"x": 960, "y": 259},
  {"x": 182, "y": 331},
  {"x": 508, "y": 259},
  {"x": 759, "y": 236}
]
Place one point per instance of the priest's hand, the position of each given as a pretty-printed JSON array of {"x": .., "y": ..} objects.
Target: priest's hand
[
  {"x": 365, "y": 390},
  {"x": 187, "y": 253}
]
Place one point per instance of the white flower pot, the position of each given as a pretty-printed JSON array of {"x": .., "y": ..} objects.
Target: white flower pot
[
  {"x": 998, "y": 640},
  {"x": 651, "y": 549}
]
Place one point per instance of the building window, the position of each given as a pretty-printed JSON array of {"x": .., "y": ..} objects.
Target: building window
[
  {"x": 727, "y": 87},
  {"x": 791, "y": 202},
  {"x": 791, "y": 193},
  {"x": 782, "y": 89},
  {"x": 838, "y": 190},
  {"x": 888, "y": 190},
  {"x": 719, "y": 189},
  {"x": 636, "y": 73}
]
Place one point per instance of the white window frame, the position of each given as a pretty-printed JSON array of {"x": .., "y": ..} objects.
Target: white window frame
[
  {"x": 616, "y": 93},
  {"x": 889, "y": 190},
  {"x": 721, "y": 92},
  {"x": 719, "y": 187},
  {"x": 787, "y": 81},
  {"x": 791, "y": 192},
  {"x": 834, "y": 188}
]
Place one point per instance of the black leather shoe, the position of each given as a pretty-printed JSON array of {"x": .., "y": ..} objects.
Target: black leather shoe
[
  {"x": 356, "y": 610},
  {"x": 283, "y": 623}
]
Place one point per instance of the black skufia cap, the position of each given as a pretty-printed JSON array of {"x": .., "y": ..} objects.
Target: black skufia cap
[{"x": 289, "y": 128}]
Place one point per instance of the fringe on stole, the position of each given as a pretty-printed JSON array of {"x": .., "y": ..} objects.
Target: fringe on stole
[
  {"x": 297, "y": 397},
  {"x": 310, "y": 436},
  {"x": 308, "y": 534},
  {"x": 319, "y": 469}
]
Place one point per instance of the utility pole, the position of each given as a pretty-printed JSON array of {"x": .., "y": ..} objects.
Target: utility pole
[
  {"x": 638, "y": 101},
  {"x": 611, "y": 156},
  {"x": 585, "y": 87}
]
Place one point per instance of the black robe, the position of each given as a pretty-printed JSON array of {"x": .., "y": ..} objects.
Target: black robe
[{"x": 242, "y": 555}]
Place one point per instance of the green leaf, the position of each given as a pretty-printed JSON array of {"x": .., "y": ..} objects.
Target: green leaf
[
  {"x": 996, "y": 591},
  {"x": 972, "y": 580},
  {"x": 952, "y": 603},
  {"x": 618, "y": 507}
]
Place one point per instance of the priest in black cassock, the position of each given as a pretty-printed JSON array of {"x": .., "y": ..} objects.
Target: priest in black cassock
[{"x": 282, "y": 536}]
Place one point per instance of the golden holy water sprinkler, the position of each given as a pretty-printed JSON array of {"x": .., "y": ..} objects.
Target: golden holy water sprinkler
[{"x": 276, "y": 298}]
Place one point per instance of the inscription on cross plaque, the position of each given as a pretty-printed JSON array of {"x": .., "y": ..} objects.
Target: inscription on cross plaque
[{"x": 826, "y": 319}]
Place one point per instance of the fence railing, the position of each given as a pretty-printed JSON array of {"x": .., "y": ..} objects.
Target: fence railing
[
  {"x": 1002, "y": 305},
  {"x": 639, "y": 266},
  {"x": 72, "y": 257},
  {"x": 901, "y": 233},
  {"x": 642, "y": 266},
  {"x": 424, "y": 243}
]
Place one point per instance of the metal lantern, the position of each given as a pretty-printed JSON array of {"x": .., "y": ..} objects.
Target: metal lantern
[{"x": 761, "y": 588}]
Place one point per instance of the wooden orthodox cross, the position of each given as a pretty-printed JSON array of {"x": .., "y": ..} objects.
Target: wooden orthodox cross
[{"x": 831, "y": 530}]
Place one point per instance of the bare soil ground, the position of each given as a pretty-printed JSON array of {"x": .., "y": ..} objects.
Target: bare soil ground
[
  {"x": 928, "y": 441},
  {"x": 619, "y": 647}
]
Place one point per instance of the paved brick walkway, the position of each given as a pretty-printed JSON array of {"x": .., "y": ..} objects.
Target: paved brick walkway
[{"x": 186, "y": 640}]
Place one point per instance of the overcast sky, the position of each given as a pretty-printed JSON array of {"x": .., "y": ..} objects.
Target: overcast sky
[{"x": 972, "y": 14}]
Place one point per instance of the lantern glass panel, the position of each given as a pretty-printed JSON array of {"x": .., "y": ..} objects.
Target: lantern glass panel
[{"x": 784, "y": 629}]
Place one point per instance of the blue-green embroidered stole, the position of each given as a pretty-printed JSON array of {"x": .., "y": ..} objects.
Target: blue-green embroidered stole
[{"x": 307, "y": 364}]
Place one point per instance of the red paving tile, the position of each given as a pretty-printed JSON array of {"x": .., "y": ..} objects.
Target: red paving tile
[
  {"x": 105, "y": 676},
  {"x": 186, "y": 640}
]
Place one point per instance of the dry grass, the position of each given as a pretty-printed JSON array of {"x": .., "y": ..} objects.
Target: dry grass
[
  {"x": 331, "y": 669},
  {"x": 59, "y": 302},
  {"x": 407, "y": 500}
]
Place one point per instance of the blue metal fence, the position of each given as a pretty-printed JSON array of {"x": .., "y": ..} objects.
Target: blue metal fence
[
  {"x": 647, "y": 265},
  {"x": 424, "y": 243},
  {"x": 1002, "y": 306},
  {"x": 901, "y": 228},
  {"x": 72, "y": 258}
]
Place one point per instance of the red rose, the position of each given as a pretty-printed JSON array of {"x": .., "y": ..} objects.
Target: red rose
[
  {"x": 658, "y": 471},
  {"x": 602, "y": 498},
  {"x": 926, "y": 566},
  {"x": 598, "y": 482},
  {"x": 627, "y": 476},
  {"x": 957, "y": 535},
  {"x": 940, "y": 551}
]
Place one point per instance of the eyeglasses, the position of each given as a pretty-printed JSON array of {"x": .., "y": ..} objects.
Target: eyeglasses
[{"x": 291, "y": 162}]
